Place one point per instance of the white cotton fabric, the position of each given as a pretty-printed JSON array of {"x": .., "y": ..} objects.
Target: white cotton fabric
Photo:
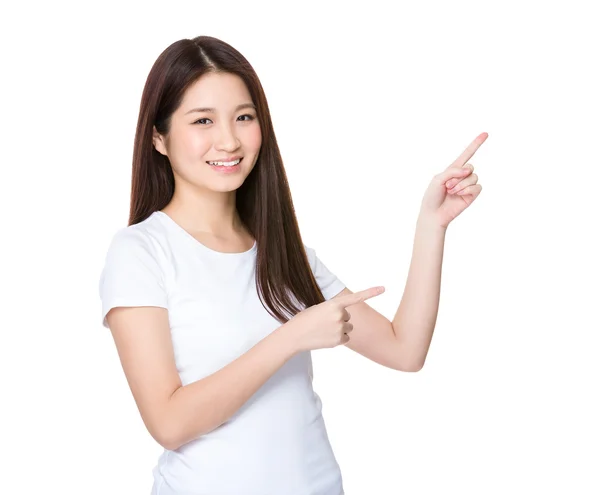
[{"x": 277, "y": 443}]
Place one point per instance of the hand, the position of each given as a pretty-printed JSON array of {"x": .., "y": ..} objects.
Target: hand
[
  {"x": 453, "y": 190},
  {"x": 326, "y": 324}
]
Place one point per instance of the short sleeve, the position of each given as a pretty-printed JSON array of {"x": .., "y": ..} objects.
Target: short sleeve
[
  {"x": 330, "y": 285},
  {"x": 131, "y": 275}
]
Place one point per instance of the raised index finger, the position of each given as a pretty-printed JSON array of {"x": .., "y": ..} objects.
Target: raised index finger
[
  {"x": 466, "y": 155},
  {"x": 358, "y": 297}
]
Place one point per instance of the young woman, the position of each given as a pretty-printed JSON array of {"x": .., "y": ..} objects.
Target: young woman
[{"x": 212, "y": 298}]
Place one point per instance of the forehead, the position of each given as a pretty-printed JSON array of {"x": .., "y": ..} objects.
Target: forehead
[{"x": 222, "y": 91}]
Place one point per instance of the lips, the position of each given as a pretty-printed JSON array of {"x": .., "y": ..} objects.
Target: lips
[{"x": 226, "y": 160}]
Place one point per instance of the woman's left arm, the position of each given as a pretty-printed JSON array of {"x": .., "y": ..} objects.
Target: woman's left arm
[
  {"x": 415, "y": 318},
  {"x": 447, "y": 196},
  {"x": 404, "y": 342}
]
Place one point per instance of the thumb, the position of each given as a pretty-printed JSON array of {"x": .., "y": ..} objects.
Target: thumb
[{"x": 454, "y": 172}]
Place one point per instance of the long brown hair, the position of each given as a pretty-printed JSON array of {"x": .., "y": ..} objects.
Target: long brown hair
[{"x": 264, "y": 200}]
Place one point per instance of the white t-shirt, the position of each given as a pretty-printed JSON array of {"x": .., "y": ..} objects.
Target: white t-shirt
[{"x": 277, "y": 443}]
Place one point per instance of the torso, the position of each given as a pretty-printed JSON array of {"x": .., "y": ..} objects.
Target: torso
[{"x": 276, "y": 442}]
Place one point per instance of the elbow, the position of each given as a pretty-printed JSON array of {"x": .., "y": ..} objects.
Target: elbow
[
  {"x": 164, "y": 432},
  {"x": 409, "y": 361},
  {"x": 170, "y": 445},
  {"x": 167, "y": 439},
  {"x": 174, "y": 440},
  {"x": 167, "y": 431},
  {"x": 172, "y": 437},
  {"x": 410, "y": 367}
]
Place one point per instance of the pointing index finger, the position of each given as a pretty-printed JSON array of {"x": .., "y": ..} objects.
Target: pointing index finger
[
  {"x": 360, "y": 296},
  {"x": 466, "y": 155}
]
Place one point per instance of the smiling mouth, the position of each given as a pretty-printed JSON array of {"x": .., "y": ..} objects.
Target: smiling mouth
[{"x": 226, "y": 164}]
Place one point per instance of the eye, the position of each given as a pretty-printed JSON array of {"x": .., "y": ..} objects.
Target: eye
[{"x": 250, "y": 118}]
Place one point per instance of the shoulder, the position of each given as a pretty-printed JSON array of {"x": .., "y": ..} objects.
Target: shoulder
[
  {"x": 135, "y": 247},
  {"x": 128, "y": 239},
  {"x": 133, "y": 260},
  {"x": 313, "y": 258},
  {"x": 142, "y": 236}
]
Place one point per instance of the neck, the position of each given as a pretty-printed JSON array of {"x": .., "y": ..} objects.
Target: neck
[{"x": 213, "y": 213}]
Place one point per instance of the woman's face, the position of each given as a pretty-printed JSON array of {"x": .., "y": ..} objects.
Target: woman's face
[{"x": 221, "y": 131}]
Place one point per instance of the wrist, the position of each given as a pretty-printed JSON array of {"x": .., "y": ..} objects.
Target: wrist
[
  {"x": 429, "y": 222},
  {"x": 285, "y": 341}
]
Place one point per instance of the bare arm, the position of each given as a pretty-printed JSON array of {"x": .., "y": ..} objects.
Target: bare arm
[
  {"x": 206, "y": 404},
  {"x": 175, "y": 414}
]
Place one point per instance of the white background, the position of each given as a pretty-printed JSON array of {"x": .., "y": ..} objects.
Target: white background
[{"x": 369, "y": 102}]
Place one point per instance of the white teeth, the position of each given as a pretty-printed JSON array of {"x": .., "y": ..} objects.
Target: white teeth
[{"x": 225, "y": 164}]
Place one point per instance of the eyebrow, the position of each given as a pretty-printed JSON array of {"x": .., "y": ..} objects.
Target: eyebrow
[{"x": 206, "y": 109}]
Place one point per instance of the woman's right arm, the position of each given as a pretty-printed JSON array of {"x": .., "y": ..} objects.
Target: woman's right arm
[{"x": 175, "y": 414}]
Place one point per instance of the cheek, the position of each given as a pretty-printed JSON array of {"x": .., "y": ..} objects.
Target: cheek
[
  {"x": 194, "y": 144},
  {"x": 254, "y": 138}
]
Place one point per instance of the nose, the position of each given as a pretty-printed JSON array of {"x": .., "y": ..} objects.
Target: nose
[{"x": 226, "y": 139}]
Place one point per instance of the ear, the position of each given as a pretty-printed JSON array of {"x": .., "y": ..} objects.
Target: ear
[{"x": 158, "y": 142}]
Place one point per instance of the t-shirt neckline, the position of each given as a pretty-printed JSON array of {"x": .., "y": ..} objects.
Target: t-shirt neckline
[{"x": 196, "y": 242}]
